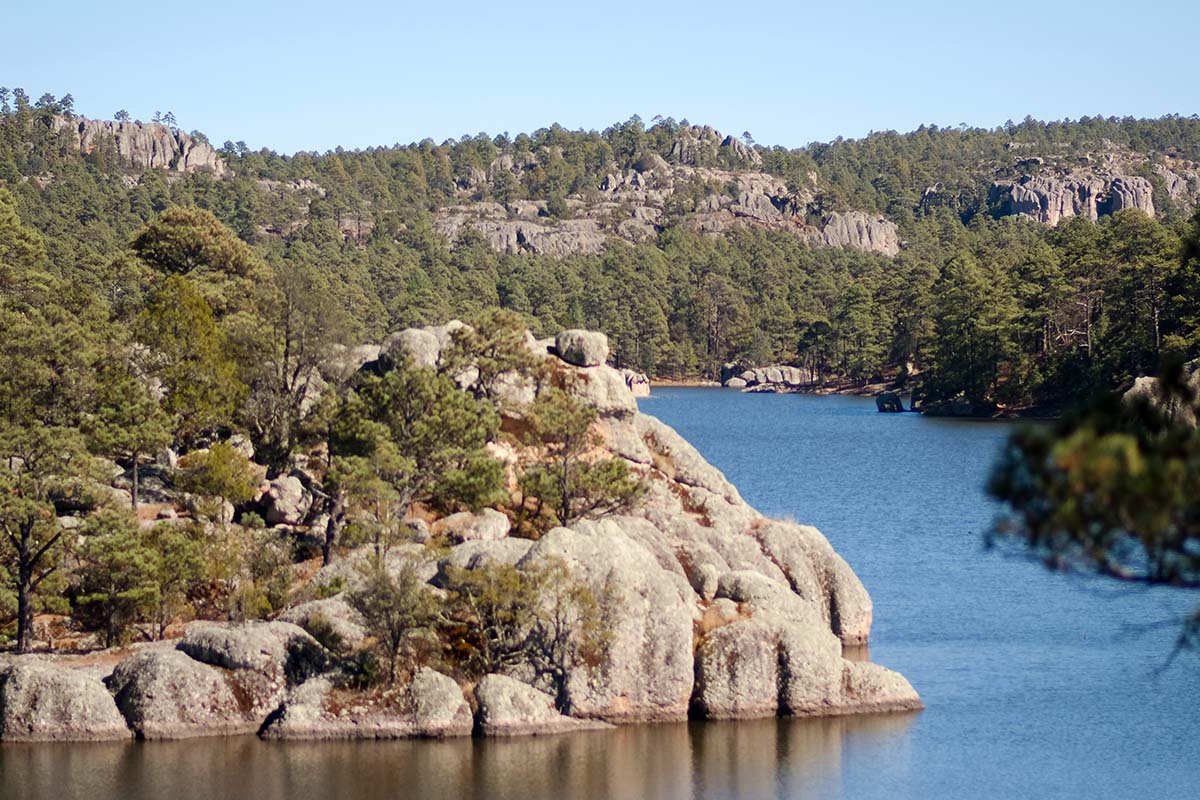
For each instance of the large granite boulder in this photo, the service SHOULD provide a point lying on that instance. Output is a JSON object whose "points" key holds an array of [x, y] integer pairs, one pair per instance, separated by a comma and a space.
{"points": [[647, 610], [420, 345], [439, 708], [272, 647], [287, 501], [604, 389], [164, 694], [263, 658], [581, 348], [487, 525], [508, 707], [41, 701]]}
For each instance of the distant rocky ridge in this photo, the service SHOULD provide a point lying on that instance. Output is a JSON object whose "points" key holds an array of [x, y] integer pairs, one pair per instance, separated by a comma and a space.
{"points": [[703, 181], [145, 145], [713, 611], [634, 205]]}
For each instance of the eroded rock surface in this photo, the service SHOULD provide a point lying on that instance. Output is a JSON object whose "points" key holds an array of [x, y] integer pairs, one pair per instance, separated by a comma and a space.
{"points": [[508, 707], [145, 145], [164, 694], [41, 701]]}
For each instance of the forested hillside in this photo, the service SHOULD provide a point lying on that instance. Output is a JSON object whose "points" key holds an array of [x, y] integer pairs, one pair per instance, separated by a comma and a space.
{"points": [[1027, 264]]}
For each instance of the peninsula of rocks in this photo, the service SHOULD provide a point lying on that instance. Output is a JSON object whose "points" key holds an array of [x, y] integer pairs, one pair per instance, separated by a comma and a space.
{"points": [[709, 610]]}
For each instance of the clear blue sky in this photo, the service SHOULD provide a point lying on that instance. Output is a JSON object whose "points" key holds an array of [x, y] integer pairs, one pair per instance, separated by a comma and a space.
{"points": [[304, 75]]}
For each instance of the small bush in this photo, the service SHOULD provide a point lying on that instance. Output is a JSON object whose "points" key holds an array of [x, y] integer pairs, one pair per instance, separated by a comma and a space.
{"points": [[360, 670], [321, 628]]}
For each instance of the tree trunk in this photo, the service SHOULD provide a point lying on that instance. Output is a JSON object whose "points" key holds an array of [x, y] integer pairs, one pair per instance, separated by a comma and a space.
{"points": [[24, 610], [134, 494], [333, 528]]}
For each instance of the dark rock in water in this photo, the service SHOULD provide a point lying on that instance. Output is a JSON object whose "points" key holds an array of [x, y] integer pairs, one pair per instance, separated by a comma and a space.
{"points": [[731, 370], [889, 403], [958, 407]]}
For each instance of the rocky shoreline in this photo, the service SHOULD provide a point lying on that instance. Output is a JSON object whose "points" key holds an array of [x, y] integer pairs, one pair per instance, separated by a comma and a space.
{"points": [[712, 612]]}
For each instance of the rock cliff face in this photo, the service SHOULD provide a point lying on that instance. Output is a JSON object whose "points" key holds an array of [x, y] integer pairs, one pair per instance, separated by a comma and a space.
{"points": [[634, 205], [861, 231], [145, 145], [1051, 198], [1181, 179]]}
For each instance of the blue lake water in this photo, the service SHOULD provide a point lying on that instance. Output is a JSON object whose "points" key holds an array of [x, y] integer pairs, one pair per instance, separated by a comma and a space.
{"points": [[1037, 685]]}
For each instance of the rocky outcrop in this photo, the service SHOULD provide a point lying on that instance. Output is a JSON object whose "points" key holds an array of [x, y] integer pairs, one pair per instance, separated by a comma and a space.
{"points": [[708, 609], [557, 240], [508, 707], [41, 701], [581, 348], [1129, 192], [695, 145], [861, 231], [144, 145], [1149, 390], [1182, 182], [889, 403], [1052, 197], [738, 151], [716, 180], [958, 406]]}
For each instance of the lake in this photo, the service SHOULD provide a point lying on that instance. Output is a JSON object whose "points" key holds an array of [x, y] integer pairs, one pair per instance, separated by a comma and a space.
{"points": [[1036, 684]]}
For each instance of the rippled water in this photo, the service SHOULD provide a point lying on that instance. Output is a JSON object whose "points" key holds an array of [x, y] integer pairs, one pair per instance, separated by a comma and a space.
{"points": [[1036, 685]]}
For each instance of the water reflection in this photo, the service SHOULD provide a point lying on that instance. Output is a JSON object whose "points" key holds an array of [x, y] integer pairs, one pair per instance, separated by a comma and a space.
{"points": [[745, 760]]}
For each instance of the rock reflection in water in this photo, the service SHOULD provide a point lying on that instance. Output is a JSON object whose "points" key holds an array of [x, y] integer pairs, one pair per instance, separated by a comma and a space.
{"points": [[746, 760]]}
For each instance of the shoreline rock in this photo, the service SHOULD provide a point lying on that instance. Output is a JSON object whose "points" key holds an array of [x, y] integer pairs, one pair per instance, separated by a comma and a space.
{"points": [[508, 707], [41, 701]]}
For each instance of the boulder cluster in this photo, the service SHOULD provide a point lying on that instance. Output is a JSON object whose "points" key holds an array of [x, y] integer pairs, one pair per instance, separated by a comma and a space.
{"points": [[712, 611], [774, 378]]}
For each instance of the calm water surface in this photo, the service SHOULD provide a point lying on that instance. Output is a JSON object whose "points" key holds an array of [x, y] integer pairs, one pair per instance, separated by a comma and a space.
{"points": [[1037, 685]]}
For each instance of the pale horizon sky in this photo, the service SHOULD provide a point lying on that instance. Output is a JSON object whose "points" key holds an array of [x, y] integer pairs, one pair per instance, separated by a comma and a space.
{"points": [[303, 75]]}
